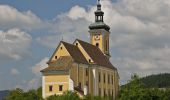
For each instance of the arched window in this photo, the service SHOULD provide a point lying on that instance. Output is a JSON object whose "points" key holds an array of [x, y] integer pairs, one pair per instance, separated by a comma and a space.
{"points": [[106, 45]]}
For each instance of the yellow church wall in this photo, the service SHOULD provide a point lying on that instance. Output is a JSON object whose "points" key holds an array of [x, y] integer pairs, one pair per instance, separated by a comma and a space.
{"points": [[55, 81], [100, 41], [61, 51], [78, 75], [109, 87], [81, 74], [74, 74]]}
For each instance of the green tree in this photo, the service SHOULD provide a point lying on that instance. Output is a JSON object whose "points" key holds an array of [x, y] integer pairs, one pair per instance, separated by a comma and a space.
{"points": [[19, 94], [66, 96], [134, 90]]}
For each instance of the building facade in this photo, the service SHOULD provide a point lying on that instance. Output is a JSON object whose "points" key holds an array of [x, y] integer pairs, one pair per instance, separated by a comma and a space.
{"points": [[83, 67]]}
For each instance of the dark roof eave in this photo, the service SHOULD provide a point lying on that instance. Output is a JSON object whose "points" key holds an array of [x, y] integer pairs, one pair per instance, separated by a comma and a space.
{"points": [[53, 71]]}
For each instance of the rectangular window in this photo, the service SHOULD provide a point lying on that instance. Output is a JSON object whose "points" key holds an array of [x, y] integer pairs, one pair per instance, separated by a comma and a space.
{"points": [[112, 79], [60, 87], [86, 83], [108, 79], [106, 46], [112, 93], [50, 88], [99, 91], [86, 71], [104, 78], [104, 93], [99, 77], [79, 85]]}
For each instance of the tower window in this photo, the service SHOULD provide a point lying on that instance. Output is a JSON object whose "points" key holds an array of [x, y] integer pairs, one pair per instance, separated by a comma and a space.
{"points": [[106, 46], [60, 87], [97, 44], [50, 88]]}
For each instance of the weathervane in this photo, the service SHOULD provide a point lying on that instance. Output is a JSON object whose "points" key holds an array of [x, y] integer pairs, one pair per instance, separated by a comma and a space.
{"points": [[98, 1]]}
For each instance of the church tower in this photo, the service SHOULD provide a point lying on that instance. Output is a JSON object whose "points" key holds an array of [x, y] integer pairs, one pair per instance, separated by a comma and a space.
{"points": [[99, 32]]}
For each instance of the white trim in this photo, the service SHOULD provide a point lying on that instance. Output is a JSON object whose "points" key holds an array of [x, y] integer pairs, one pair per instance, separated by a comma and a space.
{"points": [[83, 78], [52, 83], [43, 86], [94, 80], [71, 84], [106, 69], [77, 74]]}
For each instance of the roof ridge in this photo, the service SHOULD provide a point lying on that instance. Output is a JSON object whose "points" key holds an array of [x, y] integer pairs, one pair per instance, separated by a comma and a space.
{"points": [[78, 56], [87, 43], [67, 43], [91, 45]]}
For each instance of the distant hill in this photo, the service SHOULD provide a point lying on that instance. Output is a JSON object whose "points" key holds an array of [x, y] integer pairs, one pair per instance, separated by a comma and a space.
{"points": [[157, 81], [3, 94]]}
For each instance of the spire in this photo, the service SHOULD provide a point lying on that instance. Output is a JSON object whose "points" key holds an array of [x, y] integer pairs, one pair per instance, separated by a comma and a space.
{"points": [[99, 19], [98, 1], [99, 13], [98, 5]]}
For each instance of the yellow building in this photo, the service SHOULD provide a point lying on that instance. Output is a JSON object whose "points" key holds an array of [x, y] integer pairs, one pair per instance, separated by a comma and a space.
{"points": [[83, 67]]}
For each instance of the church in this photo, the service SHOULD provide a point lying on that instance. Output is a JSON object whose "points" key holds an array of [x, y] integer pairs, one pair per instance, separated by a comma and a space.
{"points": [[83, 67]]}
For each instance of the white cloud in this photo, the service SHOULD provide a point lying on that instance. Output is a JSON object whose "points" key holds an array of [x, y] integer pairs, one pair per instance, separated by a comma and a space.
{"points": [[39, 66], [35, 82], [14, 43], [14, 71], [140, 39], [11, 18]]}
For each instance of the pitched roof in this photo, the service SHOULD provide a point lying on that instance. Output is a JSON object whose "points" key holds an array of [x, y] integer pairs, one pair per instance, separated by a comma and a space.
{"points": [[75, 53], [62, 63], [96, 54]]}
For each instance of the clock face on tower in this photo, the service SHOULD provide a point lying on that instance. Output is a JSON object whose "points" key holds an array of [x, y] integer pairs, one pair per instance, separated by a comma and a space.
{"points": [[97, 37]]}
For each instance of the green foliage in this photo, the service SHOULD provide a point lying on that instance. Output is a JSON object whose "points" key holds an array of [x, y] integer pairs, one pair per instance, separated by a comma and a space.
{"points": [[19, 94], [66, 96], [90, 97], [136, 90], [157, 81]]}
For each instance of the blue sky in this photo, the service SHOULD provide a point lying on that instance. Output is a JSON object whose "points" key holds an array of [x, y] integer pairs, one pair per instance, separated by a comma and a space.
{"points": [[30, 30]]}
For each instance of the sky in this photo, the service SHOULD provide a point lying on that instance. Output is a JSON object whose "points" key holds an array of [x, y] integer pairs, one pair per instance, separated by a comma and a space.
{"points": [[30, 30]]}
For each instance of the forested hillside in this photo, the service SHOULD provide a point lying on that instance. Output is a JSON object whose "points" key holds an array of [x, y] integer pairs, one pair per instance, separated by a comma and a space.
{"points": [[3, 94], [157, 81]]}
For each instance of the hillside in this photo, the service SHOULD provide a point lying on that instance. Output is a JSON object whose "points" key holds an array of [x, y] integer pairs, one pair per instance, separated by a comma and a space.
{"points": [[3, 94], [159, 81]]}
